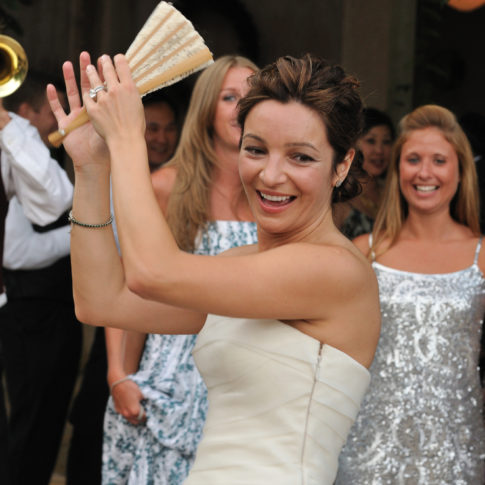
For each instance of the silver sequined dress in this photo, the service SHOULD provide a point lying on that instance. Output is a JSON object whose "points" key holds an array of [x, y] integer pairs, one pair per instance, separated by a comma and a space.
{"points": [[421, 420]]}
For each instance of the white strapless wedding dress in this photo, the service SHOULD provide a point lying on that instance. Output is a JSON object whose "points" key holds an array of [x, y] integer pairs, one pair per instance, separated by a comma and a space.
{"points": [[280, 404]]}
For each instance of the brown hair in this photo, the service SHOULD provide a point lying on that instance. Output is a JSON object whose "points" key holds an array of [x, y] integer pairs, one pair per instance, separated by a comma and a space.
{"points": [[195, 159], [32, 92], [325, 89], [464, 206]]}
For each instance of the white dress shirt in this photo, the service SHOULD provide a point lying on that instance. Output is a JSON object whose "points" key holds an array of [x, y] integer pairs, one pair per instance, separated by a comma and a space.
{"points": [[26, 249], [28, 171]]}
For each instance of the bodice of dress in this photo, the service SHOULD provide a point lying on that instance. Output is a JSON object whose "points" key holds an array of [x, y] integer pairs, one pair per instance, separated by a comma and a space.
{"points": [[280, 404], [421, 421], [175, 393]]}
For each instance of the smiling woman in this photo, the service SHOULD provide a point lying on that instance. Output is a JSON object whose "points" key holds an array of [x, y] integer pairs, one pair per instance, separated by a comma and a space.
{"points": [[293, 321], [287, 170], [357, 216], [429, 171], [226, 129], [421, 421]]}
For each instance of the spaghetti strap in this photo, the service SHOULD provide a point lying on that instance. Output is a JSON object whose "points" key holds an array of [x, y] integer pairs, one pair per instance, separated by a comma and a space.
{"points": [[477, 251], [372, 252]]}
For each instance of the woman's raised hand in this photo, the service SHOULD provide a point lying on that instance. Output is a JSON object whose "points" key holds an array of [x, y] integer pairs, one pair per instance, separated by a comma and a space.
{"points": [[116, 112], [83, 144]]}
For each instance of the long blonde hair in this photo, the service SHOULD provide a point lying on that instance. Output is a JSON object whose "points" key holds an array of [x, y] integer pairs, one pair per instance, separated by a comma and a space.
{"points": [[464, 207], [188, 206]]}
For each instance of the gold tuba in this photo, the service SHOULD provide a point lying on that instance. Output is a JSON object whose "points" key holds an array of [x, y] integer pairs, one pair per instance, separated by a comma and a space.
{"points": [[13, 65]]}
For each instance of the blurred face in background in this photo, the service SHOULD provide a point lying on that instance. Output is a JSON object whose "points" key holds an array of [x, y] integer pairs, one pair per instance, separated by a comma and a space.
{"points": [[376, 147], [161, 134], [227, 131]]}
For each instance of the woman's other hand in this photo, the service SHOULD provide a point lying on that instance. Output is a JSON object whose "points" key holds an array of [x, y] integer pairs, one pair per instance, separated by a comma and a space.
{"points": [[117, 112], [127, 398], [83, 144]]}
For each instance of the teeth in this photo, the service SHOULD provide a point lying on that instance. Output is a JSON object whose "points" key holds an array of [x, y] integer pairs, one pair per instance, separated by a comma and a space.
{"points": [[275, 198], [426, 188]]}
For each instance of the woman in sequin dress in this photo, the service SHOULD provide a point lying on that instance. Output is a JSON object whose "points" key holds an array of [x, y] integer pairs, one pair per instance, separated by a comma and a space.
{"points": [[294, 319], [421, 421], [166, 388]]}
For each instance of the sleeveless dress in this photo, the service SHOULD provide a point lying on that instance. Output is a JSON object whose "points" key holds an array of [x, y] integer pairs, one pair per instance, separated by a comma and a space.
{"points": [[421, 421], [161, 451], [280, 404]]}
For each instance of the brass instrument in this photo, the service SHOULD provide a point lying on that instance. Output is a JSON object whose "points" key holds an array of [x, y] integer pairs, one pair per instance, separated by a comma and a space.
{"points": [[13, 65]]}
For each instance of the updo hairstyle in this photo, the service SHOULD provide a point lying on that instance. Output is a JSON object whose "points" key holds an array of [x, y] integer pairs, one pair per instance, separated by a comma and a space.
{"points": [[327, 90]]}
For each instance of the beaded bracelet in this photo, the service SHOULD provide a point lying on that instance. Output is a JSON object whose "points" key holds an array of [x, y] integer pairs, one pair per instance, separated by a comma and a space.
{"points": [[72, 220]]}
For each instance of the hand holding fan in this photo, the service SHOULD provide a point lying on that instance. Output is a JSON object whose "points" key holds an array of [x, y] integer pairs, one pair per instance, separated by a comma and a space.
{"points": [[166, 50]]}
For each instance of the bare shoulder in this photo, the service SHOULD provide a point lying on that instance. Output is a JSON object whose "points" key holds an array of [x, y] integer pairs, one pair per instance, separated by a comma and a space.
{"points": [[340, 266], [354, 320], [471, 243], [335, 268], [163, 181], [351, 314], [352, 262]]}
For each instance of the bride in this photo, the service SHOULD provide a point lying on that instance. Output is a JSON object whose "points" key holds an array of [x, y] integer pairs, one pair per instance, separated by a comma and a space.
{"points": [[293, 321]]}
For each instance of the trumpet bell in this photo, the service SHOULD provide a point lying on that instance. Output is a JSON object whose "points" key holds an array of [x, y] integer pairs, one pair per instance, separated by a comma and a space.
{"points": [[13, 65]]}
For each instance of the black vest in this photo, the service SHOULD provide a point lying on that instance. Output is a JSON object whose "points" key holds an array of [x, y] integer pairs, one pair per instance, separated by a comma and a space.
{"points": [[51, 283]]}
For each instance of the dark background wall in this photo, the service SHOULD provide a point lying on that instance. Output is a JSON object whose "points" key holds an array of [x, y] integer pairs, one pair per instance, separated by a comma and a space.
{"points": [[406, 52], [450, 59]]}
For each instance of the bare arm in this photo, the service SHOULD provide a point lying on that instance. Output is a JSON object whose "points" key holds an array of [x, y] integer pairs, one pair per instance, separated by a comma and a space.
{"points": [[134, 345], [124, 349], [126, 394], [99, 280], [163, 181], [318, 276]]}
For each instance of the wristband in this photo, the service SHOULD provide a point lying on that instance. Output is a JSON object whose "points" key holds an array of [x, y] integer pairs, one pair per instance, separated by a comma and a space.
{"points": [[119, 381]]}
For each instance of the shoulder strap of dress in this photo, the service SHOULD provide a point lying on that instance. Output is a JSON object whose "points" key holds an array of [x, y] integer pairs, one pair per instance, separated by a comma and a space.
{"points": [[477, 251], [372, 253]]}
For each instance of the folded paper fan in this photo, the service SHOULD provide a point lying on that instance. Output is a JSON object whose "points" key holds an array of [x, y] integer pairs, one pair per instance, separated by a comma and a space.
{"points": [[166, 50]]}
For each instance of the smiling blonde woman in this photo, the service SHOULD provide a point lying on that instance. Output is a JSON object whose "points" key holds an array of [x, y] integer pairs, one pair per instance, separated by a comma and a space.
{"points": [[421, 421]]}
